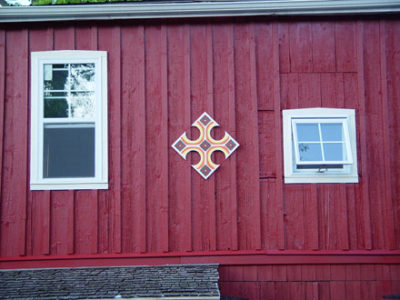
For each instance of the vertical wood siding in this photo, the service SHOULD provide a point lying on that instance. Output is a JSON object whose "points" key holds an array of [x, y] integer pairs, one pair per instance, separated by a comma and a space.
{"points": [[324, 282], [162, 76]]}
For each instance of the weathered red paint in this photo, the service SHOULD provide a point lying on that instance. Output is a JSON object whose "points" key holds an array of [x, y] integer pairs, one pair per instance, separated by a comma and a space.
{"points": [[316, 241]]}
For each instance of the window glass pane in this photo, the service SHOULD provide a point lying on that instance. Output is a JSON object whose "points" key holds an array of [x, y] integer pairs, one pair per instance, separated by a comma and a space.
{"points": [[332, 132], [307, 132], [82, 104], [68, 150], [334, 152], [82, 77], [55, 108], [55, 79], [310, 152]]}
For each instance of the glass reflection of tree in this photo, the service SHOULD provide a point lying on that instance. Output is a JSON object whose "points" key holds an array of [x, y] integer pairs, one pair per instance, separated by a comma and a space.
{"points": [[80, 99], [303, 148]]}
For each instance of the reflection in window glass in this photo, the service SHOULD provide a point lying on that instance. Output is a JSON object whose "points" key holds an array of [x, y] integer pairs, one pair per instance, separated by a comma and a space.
{"points": [[68, 150], [82, 104], [82, 77], [55, 79], [310, 152], [55, 108], [307, 132], [320, 142], [69, 90], [334, 152], [332, 132]]}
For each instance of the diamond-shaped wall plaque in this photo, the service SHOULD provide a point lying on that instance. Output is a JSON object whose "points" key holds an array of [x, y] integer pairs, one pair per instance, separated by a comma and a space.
{"points": [[205, 145]]}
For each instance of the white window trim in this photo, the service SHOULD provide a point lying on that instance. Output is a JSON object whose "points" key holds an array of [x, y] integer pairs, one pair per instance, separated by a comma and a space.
{"points": [[100, 180], [350, 172]]}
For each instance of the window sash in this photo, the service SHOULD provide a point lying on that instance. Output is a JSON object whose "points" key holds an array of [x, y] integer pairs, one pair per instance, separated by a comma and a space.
{"points": [[321, 143], [68, 120]]}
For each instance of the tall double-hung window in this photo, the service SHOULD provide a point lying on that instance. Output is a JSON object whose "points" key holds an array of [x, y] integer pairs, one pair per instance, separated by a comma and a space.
{"points": [[69, 120]]}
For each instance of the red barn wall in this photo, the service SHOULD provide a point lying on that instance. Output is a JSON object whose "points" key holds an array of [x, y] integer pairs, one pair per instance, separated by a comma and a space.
{"points": [[162, 76]]}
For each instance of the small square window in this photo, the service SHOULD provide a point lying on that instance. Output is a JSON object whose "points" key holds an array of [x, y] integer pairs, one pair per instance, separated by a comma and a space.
{"points": [[69, 120], [319, 145]]}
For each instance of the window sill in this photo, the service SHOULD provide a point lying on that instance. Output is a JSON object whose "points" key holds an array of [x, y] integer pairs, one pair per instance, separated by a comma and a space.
{"points": [[321, 179], [69, 186]]}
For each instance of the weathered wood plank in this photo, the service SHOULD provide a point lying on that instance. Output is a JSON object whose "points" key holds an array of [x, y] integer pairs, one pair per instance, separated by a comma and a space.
{"points": [[375, 133], [300, 45], [203, 191], [297, 290], [368, 290], [290, 90], [294, 272], [265, 61], [311, 232], [368, 272], [311, 291], [86, 222], [2, 107], [180, 212], [247, 135], [271, 215], [393, 68], [309, 273], [15, 145], [268, 137], [323, 272], [39, 201], [309, 92], [353, 290], [294, 216], [338, 272], [251, 290], [224, 103], [284, 49], [323, 47], [62, 221], [364, 204], [346, 46], [324, 290], [64, 38], [338, 290], [157, 137], [386, 140], [333, 216], [279, 273], [267, 291], [279, 139], [282, 291], [264, 273], [110, 200], [40, 234], [332, 90], [133, 148], [86, 37]]}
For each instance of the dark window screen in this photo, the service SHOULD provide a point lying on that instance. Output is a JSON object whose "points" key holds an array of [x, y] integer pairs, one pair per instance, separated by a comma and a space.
{"points": [[68, 151]]}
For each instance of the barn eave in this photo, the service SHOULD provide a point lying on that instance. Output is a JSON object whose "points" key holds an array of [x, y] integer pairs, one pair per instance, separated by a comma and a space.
{"points": [[196, 9]]}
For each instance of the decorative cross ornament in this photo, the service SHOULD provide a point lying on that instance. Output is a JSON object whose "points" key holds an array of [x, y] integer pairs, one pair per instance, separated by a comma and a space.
{"points": [[205, 145]]}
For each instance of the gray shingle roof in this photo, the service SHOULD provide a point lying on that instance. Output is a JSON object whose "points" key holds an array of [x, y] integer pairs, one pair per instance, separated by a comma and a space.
{"points": [[108, 282]]}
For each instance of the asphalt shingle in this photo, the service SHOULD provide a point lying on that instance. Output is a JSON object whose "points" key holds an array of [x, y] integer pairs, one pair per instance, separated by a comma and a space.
{"points": [[108, 282]]}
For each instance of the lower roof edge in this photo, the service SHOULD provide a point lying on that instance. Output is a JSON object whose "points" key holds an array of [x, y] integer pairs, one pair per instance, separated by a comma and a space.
{"points": [[230, 8]]}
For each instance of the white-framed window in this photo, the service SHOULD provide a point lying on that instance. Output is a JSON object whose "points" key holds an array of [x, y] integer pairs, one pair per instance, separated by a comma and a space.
{"points": [[68, 120], [319, 145]]}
